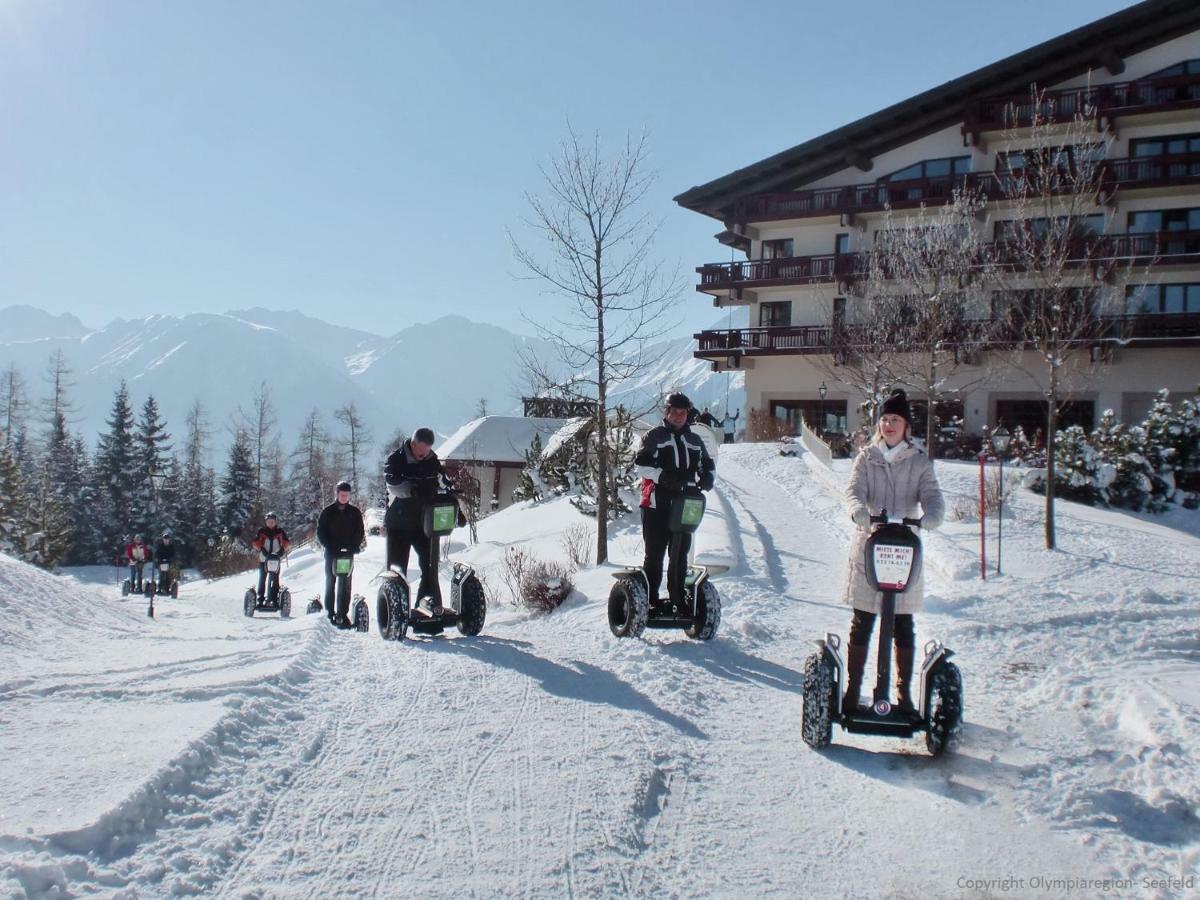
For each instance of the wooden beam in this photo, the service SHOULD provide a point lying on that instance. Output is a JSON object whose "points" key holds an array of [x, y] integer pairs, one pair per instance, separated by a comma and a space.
{"points": [[1111, 60], [860, 160]]}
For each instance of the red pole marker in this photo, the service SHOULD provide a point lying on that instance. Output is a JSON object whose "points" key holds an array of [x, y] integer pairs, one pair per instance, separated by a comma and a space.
{"points": [[982, 518]]}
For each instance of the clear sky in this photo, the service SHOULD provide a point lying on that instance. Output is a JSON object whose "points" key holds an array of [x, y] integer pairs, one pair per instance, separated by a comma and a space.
{"points": [[360, 161]]}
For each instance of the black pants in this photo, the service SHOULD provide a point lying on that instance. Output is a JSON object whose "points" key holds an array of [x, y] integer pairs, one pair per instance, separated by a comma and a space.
{"points": [[656, 533], [400, 543], [863, 624], [343, 608], [728, 438]]}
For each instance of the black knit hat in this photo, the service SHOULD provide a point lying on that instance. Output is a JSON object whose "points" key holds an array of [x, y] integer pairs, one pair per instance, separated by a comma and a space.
{"points": [[678, 401], [423, 436], [897, 405]]}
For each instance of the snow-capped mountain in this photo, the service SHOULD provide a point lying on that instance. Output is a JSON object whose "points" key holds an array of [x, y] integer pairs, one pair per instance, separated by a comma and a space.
{"points": [[432, 373]]}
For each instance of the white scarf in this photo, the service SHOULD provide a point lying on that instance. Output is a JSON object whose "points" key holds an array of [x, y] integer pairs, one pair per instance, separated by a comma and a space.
{"points": [[891, 453]]}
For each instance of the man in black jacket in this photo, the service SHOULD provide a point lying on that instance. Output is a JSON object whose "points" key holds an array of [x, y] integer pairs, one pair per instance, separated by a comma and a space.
{"points": [[340, 530], [413, 474], [670, 459]]}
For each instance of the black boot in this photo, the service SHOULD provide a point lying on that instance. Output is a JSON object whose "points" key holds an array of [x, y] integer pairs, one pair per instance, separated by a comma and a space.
{"points": [[904, 670], [856, 660]]}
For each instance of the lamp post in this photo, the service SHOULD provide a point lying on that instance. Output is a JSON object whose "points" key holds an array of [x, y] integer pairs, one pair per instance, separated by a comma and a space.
{"points": [[156, 480], [1000, 441], [822, 391]]}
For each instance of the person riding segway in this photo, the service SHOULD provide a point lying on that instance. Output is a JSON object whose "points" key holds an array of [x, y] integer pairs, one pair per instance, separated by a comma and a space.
{"points": [[136, 556], [272, 544], [166, 576], [341, 531], [675, 467], [423, 508], [890, 478]]}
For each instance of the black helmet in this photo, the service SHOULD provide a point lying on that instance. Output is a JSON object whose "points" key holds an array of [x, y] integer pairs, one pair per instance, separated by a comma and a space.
{"points": [[272, 515], [166, 532], [423, 436], [677, 400], [344, 486]]}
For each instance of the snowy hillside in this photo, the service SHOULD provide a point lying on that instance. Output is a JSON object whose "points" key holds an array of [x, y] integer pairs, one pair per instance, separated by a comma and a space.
{"points": [[203, 752], [222, 359]]}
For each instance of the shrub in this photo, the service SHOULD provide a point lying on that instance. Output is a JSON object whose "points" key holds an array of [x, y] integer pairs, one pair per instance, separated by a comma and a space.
{"points": [[545, 586], [577, 543]]}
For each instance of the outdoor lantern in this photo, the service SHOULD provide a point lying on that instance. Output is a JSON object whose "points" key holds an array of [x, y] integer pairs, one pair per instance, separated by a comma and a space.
{"points": [[821, 392], [1000, 440], [157, 480]]}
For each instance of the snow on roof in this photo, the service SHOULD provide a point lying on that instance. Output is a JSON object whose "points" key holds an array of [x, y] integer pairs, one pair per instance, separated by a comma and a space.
{"points": [[569, 429], [497, 438]]}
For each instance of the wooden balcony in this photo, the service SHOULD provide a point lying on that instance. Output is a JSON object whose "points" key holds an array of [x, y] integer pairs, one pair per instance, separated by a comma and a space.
{"points": [[1124, 173], [1103, 101], [1164, 330], [789, 270]]}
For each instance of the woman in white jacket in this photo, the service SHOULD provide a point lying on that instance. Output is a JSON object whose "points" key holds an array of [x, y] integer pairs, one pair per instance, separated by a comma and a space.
{"points": [[889, 473]]}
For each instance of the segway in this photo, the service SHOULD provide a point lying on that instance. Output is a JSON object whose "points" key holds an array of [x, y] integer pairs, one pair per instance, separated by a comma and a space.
{"points": [[893, 557], [164, 581], [128, 583], [277, 598], [394, 611], [694, 606], [343, 566]]}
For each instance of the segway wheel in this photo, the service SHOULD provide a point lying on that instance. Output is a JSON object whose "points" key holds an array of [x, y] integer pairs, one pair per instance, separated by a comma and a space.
{"points": [[708, 613], [285, 604], [248, 603], [816, 724], [945, 709], [175, 590], [474, 607], [126, 587], [391, 611], [362, 616], [628, 608]]}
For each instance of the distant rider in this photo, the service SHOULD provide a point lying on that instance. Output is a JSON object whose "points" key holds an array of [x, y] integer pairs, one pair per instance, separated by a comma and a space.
{"points": [[271, 541], [339, 528], [136, 554], [164, 553], [414, 474], [889, 473], [670, 459]]}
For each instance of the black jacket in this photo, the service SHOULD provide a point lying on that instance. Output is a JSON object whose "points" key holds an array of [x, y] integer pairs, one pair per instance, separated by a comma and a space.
{"points": [[164, 552], [411, 482], [669, 461], [341, 526]]}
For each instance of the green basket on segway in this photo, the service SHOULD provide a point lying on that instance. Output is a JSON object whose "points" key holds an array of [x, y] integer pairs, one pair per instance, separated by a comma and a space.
{"points": [[343, 565], [441, 514]]}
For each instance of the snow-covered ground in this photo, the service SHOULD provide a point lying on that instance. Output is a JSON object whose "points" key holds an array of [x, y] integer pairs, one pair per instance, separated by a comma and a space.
{"points": [[203, 752]]}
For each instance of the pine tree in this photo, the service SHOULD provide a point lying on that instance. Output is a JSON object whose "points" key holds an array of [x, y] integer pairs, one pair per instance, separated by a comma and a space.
{"points": [[195, 515], [12, 503], [61, 487], [238, 487], [116, 469], [153, 451], [310, 481]]}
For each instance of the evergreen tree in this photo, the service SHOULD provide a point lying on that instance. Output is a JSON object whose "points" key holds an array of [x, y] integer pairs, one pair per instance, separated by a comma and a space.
{"points": [[12, 503], [238, 487], [61, 487], [116, 471], [195, 514], [311, 480], [153, 458]]}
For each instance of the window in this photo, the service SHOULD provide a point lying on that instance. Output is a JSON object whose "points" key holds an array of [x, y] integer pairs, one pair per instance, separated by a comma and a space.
{"points": [[780, 249], [1158, 299], [1163, 146], [1087, 227], [1164, 220], [841, 243], [1031, 416], [839, 311], [1189, 67], [932, 168], [775, 315], [828, 416]]}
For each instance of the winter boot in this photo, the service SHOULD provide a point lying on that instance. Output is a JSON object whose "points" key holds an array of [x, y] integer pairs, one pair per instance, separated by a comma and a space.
{"points": [[856, 660], [904, 670]]}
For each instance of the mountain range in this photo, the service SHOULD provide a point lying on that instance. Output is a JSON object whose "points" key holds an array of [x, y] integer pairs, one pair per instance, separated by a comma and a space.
{"points": [[433, 373]]}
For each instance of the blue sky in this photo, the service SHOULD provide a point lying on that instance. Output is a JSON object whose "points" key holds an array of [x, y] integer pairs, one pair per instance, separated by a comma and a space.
{"points": [[360, 161]]}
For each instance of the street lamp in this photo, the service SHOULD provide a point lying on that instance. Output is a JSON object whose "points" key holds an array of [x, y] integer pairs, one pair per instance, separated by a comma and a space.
{"points": [[1000, 441], [156, 481], [822, 390]]}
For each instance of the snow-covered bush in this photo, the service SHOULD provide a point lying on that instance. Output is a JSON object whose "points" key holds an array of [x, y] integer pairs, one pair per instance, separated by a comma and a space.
{"points": [[546, 586], [577, 543]]}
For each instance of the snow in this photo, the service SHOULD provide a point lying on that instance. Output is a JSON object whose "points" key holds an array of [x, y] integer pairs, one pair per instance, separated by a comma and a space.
{"points": [[203, 752], [497, 438]]}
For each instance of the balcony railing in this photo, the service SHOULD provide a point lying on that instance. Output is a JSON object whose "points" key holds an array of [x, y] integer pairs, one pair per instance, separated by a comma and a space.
{"points": [[1165, 328], [1119, 98], [1134, 172], [783, 271]]}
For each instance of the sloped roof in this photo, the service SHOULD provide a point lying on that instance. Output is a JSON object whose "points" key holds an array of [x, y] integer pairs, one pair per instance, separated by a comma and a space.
{"points": [[502, 439], [1103, 43]]}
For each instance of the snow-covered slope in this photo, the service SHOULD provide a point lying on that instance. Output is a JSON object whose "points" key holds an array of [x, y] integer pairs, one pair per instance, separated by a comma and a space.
{"points": [[206, 753]]}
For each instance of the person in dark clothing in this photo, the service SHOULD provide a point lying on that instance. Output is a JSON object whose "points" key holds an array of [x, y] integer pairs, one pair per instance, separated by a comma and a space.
{"points": [[271, 541], [670, 459], [164, 549], [414, 474], [340, 530], [707, 418]]}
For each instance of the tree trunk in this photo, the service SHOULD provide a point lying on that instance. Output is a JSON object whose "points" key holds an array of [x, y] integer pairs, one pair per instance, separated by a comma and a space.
{"points": [[1051, 425], [601, 425]]}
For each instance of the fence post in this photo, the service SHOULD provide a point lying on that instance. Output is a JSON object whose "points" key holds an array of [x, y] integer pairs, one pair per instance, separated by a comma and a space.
{"points": [[982, 517]]}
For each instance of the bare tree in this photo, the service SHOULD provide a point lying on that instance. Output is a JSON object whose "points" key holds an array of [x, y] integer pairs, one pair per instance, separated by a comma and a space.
{"points": [[259, 425], [355, 439], [598, 257], [13, 401], [941, 273], [58, 378], [481, 407], [1065, 279]]}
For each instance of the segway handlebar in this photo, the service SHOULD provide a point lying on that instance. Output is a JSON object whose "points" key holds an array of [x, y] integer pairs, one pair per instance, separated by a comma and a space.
{"points": [[884, 519]]}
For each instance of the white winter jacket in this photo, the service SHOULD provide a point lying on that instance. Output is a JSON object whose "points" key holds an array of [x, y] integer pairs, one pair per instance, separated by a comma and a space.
{"points": [[900, 487]]}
